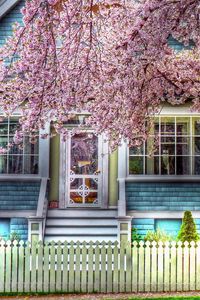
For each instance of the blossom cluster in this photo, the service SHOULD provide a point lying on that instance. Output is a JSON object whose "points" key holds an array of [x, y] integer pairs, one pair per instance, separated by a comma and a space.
{"points": [[110, 58]]}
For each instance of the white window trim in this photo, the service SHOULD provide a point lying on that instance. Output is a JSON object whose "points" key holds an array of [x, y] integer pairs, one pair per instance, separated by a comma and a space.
{"points": [[63, 176], [44, 148], [167, 111]]}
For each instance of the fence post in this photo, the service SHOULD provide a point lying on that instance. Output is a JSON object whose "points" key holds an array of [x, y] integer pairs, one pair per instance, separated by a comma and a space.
{"points": [[166, 267], [116, 268]]}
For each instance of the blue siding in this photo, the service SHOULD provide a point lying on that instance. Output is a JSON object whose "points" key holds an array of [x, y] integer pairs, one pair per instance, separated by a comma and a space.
{"points": [[20, 226], [4, 228], [6, 23], [19, 195], [143, 226], [176, 45], [170, 226], [163, 196]]}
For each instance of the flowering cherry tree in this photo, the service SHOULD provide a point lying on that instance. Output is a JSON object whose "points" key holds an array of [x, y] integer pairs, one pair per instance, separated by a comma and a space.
{"points": [[110, 58]]}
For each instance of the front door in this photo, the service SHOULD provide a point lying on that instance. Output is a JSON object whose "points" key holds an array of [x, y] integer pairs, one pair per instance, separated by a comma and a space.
{"points": [[84, 170]]}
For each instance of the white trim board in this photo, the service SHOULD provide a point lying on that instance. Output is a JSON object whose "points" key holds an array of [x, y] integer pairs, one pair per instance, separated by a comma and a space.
{"points": [[160, 214], [17, 214], [6, 6]]}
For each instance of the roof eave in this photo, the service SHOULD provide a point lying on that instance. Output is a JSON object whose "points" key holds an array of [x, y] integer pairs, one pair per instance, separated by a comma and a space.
{"points": [[6, 6]]}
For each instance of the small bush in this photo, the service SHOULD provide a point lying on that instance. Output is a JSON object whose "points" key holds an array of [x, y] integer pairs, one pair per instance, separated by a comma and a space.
{"points": [[158, 236], [188, 231], [134, 235], [14, 236]]}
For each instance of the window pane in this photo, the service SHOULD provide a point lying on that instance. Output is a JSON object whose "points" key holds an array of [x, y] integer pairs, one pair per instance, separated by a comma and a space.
{"points": [[152, 165], [168, 145], [4, 128], [167, 126], [136, 150], [182, 126], [15, 164], [197, 165], [182, 146], [75, 197], [136, 165], [15, 149], [84, 153], [197, 126], [30, 148], [196, 145], [183, 165], [167, 165], [31, 164], [92, 197], [3, 141], [3, 164], [75, 183], [13, 126]]}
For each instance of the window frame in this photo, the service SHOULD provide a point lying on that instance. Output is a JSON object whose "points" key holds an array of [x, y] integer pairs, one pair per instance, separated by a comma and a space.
{"points": [[43, 155], [190, 136]]}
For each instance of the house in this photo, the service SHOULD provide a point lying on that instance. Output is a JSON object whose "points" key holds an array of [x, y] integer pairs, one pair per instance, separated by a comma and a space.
{"points": [[76, 190]]}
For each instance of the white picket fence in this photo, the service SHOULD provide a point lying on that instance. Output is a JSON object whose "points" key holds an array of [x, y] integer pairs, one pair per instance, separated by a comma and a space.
{"points": [[99, 267]]}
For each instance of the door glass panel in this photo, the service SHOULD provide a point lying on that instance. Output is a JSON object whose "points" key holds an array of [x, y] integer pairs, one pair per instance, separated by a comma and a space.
{"points": [[84, 153], [84, 172]]}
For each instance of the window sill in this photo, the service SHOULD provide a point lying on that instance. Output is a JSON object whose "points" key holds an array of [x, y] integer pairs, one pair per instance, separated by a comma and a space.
{"points": [[153, 178], [17, 177]]}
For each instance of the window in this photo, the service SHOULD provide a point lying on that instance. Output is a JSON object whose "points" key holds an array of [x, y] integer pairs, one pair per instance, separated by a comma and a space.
{"points": [[173, 148], [17, 161]]}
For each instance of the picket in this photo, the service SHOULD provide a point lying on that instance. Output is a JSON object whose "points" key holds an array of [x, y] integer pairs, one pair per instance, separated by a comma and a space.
{"points": [[198, 266], [65, 268], [192, 266], [141, 267], [8, 267], [71, 267], [109, 268], [135, 267], [2, 266], [90, 268], [33, 267], [59, 267], [40, 268], [77, 268], [154, 267], [84, 269], [14, 265], [186, 267], [116, 268], [173, 267], [99, 267], [27, 268], [21, 268], [160, 267], [179, 267], [147, 270], [167, 267], [46, 267]]}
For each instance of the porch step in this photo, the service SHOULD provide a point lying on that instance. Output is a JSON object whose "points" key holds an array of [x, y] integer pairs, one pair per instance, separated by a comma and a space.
{"points": [[81, 225]]}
